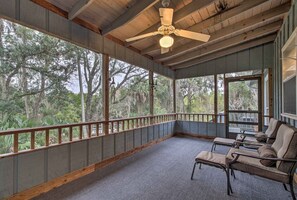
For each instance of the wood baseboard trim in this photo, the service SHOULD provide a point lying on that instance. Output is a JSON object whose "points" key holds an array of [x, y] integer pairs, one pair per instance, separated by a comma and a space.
{"points": [[195, 136], [57, 182]]}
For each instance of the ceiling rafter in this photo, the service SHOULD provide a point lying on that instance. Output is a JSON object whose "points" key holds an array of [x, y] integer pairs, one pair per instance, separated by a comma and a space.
{"points": [[239, 27], [179, 15], [138, 8], [230, 50], [250, 35], [212, 21], [78, 7]]}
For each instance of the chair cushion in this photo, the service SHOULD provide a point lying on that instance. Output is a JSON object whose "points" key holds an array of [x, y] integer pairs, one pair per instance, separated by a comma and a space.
{"points": [[285, 146], [261, 137], [224, 141], [253, 166], [211, 157], [267, 152], [272, 129]]}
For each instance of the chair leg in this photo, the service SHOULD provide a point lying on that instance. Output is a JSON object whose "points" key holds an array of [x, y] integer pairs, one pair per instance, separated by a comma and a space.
{"points": [[229, 188], [233, 173], [200, 165], [228, 181], [212, 147], [285, 186], [292, 189], [193, 170]]}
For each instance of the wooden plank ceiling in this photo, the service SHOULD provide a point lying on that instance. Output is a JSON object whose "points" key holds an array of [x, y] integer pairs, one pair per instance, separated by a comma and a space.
{"points": [[237, 25]]}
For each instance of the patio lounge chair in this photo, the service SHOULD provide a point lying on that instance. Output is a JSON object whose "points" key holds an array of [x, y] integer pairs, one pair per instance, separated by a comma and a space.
{"points": [[285, 147], [249, 140]]}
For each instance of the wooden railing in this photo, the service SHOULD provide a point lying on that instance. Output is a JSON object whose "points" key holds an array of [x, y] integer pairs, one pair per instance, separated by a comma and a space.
{"points": [[29, 139], [211, 118], [40, 137]]}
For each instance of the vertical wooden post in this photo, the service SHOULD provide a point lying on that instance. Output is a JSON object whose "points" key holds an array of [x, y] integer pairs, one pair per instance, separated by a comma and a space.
{"points": [[215, 98], [270, 93], [105, 87], [151, 83], [33, 140], [15, 143], [174, 95]]}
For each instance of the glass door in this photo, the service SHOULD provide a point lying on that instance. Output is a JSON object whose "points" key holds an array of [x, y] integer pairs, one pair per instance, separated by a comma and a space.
{"points": [[243, 105]]}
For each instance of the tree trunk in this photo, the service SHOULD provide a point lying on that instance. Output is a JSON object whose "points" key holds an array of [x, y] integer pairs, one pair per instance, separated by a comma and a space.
{"points": [[81, 92], [25, 90]]}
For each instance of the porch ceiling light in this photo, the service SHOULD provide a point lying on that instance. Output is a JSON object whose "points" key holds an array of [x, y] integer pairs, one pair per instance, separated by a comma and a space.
{"points": [[166, 41]]}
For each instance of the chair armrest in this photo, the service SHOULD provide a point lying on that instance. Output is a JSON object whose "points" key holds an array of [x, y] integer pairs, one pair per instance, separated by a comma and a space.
{"points": [[242, 143], [237, 154], [250, 130]]}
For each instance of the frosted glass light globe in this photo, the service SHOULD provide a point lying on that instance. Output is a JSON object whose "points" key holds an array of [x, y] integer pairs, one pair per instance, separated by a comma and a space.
{"points": [[166, 41]]}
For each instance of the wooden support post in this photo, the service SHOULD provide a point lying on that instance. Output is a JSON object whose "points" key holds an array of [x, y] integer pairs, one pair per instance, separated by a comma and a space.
{"points": [[174, 96], [105, 86], [270, 93], [215, 98], [151, 83]]}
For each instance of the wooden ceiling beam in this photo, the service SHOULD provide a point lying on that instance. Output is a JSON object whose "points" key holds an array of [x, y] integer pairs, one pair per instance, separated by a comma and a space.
{"points": [[250, 35], [138, 8], [212, 21], [78, 7], [83, 23], [177, 16], [230, 50], [240, 27], [190, 8]]}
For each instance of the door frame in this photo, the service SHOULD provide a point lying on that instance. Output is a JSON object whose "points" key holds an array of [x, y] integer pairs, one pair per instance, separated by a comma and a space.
{"points": [[228, 80]]}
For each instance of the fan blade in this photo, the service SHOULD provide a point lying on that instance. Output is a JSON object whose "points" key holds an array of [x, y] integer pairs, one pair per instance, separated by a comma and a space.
{"points": [[166, 15], [164, 50], [142, 36], [192, 35]]}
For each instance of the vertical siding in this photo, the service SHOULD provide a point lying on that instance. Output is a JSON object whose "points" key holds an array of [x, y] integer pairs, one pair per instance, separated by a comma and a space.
{"points": [[287, 28], [258, 57], [26, 170]]}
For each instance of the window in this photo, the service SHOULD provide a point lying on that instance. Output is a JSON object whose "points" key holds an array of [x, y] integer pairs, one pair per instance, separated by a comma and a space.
{"points": [[163, 95], [196, 95], [129, 90], [47, 80], [289, 76]]}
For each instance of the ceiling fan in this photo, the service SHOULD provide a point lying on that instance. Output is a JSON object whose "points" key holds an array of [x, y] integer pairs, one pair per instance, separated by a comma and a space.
{"points": [[166, 29]]}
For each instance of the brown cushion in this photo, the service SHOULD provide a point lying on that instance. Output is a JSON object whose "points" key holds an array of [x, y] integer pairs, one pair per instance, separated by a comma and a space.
{"points": [[267, 152], [261, 137]]}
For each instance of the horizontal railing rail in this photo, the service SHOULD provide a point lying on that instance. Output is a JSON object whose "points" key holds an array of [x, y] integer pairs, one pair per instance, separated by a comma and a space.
{"points": [[28, 139], [211, 118]]}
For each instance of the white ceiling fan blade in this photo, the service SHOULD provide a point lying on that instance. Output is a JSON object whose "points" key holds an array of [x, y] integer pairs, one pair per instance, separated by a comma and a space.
{"points": [[166, 15], [192, 35], [142, 36], [164, 50]]}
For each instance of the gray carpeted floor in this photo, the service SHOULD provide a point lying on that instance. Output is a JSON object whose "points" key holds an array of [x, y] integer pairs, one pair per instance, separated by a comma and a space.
{"points": [[163, 172]]}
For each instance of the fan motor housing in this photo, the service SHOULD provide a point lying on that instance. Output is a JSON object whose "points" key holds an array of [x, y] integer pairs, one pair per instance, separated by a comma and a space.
{"points": [[165, 3]]}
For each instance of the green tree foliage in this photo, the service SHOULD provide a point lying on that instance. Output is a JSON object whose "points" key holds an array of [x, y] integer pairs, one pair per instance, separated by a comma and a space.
{"points": [[195, 95]]}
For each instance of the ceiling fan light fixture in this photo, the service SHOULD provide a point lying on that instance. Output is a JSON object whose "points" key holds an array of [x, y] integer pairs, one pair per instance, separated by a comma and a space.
{"points": [[166, 41]]}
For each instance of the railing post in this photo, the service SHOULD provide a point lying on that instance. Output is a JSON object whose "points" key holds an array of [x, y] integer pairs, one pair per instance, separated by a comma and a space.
{"points": [[15, 143], [33, 140], [47, 137]]}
